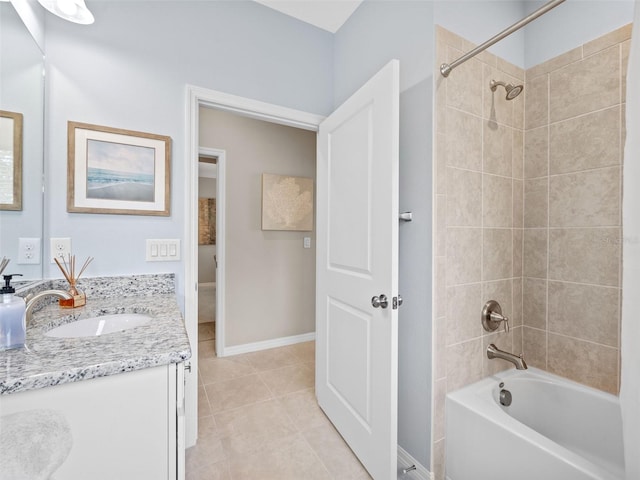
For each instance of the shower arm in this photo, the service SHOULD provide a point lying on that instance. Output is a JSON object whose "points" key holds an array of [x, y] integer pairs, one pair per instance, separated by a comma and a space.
{"points": [[445, 68]]}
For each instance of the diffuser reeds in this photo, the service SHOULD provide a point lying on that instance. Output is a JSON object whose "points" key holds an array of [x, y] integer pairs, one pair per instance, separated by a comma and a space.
{"points": [[69, 271]]}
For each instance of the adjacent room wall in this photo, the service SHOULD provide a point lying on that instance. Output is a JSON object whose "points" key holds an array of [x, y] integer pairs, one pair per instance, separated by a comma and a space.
{"points": [[270, 277], [130, 69], [206, 261]]}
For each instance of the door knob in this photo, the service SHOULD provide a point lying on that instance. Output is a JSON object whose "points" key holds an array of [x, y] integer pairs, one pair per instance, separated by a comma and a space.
{"points": [[380, 302]]}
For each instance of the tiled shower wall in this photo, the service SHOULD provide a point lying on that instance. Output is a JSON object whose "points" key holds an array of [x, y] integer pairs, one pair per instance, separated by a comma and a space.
{"points": [[574, 138], [528, 213], [479, 219]]}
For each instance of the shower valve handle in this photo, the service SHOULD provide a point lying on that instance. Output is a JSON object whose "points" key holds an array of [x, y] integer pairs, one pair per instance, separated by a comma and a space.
{"points": [[498, 317], [492, 317]]}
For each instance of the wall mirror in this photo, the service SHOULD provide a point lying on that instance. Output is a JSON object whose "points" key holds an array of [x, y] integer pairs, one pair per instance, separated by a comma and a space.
{"points": [[21, 144]]}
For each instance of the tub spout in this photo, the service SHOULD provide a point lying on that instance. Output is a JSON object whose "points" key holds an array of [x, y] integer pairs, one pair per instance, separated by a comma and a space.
{"points": [[517, 360]]}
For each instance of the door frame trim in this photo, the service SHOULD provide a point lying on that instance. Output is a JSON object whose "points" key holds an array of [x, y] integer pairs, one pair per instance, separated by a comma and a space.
{"points": [[195, 98], [220, 245]]}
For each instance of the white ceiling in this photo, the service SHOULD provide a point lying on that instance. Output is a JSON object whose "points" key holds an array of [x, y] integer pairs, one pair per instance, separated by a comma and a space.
{"points": [[326, 14]]}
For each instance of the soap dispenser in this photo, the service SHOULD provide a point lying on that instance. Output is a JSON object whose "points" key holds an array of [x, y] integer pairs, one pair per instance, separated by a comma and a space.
{"points": [[12, 321]]}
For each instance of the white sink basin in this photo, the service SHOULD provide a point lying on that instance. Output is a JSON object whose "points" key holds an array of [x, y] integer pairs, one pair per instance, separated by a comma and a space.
{"points": [[95, 326]]}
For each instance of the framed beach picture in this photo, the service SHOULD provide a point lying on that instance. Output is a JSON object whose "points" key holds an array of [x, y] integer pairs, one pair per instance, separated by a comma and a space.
{"points": [[117, 171]]}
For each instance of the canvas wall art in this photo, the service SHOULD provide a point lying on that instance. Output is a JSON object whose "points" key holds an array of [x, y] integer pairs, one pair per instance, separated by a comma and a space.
{"points": [[287, 202]]}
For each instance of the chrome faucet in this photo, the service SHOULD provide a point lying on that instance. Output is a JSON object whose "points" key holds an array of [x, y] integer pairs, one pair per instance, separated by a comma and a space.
{"points": [[32, 300], [517, 360]]}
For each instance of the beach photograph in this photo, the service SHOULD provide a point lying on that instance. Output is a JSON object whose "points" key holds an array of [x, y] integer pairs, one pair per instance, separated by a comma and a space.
{"points": [[117, 171]]}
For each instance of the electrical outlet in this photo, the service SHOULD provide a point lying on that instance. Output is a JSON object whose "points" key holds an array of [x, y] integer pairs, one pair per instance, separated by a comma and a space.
{"points": [[60, 249], [28, 251]]}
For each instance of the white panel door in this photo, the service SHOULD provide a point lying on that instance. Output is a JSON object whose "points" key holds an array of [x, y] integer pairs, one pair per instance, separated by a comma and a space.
{"points": [[357, 260]]}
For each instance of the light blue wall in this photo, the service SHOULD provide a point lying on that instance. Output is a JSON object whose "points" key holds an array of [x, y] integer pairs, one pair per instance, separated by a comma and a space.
{"points": [[571, 24], [129, 70], [478, 21]]}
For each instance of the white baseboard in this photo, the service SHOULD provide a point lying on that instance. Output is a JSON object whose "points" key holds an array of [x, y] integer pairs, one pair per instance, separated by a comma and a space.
{"points": [[406, 460], [266, 344]]}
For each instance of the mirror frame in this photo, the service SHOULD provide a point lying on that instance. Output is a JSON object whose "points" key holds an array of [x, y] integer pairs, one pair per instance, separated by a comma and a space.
{"points": [[16, 156]]}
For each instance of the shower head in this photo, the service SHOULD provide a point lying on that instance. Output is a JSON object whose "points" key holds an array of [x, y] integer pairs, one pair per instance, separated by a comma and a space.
{"points": [[512, 90]]}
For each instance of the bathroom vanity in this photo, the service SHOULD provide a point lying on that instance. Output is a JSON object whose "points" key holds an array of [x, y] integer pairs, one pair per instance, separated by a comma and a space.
{"points": [[114, 402]]}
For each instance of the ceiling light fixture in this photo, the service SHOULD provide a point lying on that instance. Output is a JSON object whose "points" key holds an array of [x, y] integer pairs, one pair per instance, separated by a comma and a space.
{"points": [[73, 10]]}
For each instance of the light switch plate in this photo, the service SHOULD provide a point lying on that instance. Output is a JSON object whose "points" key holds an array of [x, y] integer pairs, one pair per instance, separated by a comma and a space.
{"points": [[28, 251], [163, 250], [307, 242], [60, 249]]}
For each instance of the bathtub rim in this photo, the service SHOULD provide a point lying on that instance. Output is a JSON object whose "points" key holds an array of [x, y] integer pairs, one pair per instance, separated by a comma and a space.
{"points": [[478, 398]]}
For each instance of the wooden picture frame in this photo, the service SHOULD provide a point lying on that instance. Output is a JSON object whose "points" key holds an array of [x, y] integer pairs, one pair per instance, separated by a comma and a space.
{"points": [[116, 171], [11, 124]]}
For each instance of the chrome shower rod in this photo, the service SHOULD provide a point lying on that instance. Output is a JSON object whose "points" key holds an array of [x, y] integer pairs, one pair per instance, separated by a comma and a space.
{"points": [[445, 68]]}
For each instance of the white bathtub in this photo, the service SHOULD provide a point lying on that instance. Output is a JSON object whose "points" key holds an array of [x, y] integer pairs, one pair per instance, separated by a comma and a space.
{"points": [[554, 429]]}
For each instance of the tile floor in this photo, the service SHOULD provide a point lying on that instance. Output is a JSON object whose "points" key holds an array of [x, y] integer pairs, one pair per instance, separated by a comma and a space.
{"points": [[258, 419]]}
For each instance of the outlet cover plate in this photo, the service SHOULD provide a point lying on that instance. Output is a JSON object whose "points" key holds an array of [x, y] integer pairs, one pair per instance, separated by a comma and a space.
{"points": [[60, 249], [28, 251]]}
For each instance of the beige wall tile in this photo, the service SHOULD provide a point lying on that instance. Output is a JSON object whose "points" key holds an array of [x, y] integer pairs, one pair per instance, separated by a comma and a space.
{"points": [[438, 460], [502, 340], [441, 225], [555, 63], [440, 335], [463, 312], [497, 145], [497, 201], [463, 89], [585, 255], [449, 38], [624, 63], [585, 199], [585, 142], [464, 255], [608, 40], [518, 203], [534, 304], [464, 364], [585, 86], [497, 256], [536, 152], [441, 163], [502, 292], [534, 347], [464, 140], [440, 286], [516, 313], [511, 69], [518, 237], [536, 110], [518, 111], [439, 396], [441, 105], [588, 363], [517, 169], [534, 253], [464, 198], [517, 340], [587, 312], [536, 202]]}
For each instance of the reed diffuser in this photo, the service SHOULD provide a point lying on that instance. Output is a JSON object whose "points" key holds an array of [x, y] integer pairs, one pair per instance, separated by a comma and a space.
{"points": [[3, 264], [69, 271]]}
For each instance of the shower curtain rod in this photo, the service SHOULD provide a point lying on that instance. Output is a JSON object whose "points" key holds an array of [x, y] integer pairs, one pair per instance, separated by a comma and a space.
{"points": [[445, 68]]}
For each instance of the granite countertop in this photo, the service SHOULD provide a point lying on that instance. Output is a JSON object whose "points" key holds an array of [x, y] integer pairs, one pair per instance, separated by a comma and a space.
{"points": [[47, 361]]}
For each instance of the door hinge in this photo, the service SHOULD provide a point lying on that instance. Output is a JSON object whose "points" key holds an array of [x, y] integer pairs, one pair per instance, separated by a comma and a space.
{"points": [[396, 302]]}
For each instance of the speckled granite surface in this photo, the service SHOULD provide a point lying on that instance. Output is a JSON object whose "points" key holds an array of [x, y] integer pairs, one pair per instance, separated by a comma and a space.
{"points": [[47, 361]]}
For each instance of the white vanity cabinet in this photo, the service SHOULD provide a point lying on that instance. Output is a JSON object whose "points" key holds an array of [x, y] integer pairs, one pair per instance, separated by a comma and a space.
{"points": [[123, 426]]}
